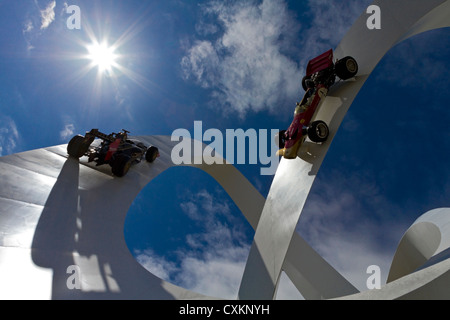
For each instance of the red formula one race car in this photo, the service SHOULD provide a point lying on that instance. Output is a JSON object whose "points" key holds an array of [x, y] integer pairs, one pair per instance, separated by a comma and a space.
{"points": [[321, 74], [115, 149]]}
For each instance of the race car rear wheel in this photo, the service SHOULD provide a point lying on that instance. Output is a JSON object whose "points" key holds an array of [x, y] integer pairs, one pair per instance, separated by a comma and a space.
{"points": [[307, 83], [77, 147], [121, 164], [346, 68], [318, 131], [151, 154]]}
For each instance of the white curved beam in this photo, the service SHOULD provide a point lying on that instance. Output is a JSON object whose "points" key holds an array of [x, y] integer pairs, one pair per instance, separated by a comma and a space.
{"points": [[427, 237]]}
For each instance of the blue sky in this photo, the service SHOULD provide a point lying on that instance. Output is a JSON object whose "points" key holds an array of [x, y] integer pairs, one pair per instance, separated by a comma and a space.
{"points": [[233, 64]]}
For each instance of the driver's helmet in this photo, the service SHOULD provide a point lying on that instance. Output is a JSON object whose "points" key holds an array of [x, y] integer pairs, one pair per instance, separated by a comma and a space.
{"points": [[122, 135]]}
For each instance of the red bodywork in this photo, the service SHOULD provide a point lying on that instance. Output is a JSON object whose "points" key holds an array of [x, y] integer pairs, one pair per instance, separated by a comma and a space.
{"points": [[296, 132], [325, 60], [305, 110], [113, 148]]}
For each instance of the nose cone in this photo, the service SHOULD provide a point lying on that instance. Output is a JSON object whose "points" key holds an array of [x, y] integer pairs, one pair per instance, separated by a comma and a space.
{"points": [[290, 152]]}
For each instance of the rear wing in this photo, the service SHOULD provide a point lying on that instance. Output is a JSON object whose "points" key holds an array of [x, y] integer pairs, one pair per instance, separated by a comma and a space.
{"points": [[320, 63], [95, 133]]}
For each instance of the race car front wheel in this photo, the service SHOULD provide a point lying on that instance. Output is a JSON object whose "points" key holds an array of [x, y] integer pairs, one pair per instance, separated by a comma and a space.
{"points": [[318, 131], [346, 68], [77, 147], [121, 164], [151, 154], [307, 83]]}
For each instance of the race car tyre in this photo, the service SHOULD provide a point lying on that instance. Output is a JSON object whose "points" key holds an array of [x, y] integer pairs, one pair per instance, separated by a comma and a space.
{"points": [[307, 83], [318, 131], [304, 83], [121, 164], [346, 68], [77, 147], [151, 154], [280, 139]]}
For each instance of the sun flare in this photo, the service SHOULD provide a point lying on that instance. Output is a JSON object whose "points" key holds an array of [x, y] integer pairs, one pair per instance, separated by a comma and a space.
{"points": [[110, 58], [102, 56]]}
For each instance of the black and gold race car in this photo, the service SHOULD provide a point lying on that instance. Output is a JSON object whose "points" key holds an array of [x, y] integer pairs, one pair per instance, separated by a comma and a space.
{"points": [[115, 149]]}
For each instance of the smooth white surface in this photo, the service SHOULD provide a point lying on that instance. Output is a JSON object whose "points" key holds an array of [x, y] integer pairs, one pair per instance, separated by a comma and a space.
{"points": [[427, 237]]}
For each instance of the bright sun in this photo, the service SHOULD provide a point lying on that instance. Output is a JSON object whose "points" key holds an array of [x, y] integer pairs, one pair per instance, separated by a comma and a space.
{"points": [[102, 56], [108, 59]]}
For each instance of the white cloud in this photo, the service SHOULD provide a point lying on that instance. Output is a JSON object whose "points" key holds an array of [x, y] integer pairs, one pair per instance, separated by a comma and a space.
{"points": [[214, 276], [48, 15], [160, 267], [204, 202], [28, 26], [28, 33], [202, 62], [210, 274], [9, 135], [37, 21], [330, 20], [67, 132], [247, 67]]}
